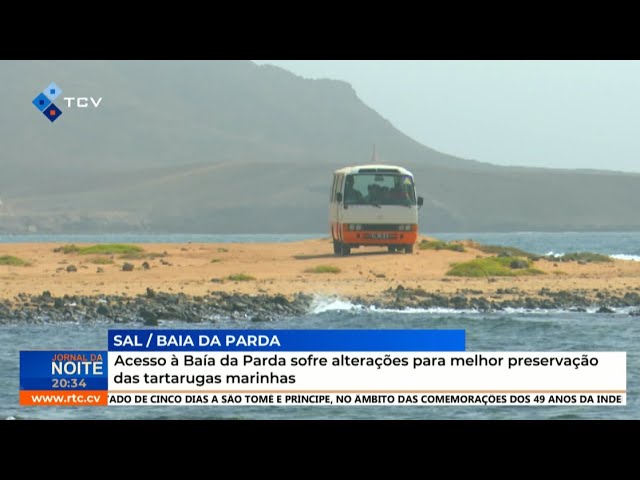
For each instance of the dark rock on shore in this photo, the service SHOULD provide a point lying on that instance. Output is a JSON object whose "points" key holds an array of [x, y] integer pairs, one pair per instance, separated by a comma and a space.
{"points": [[151, 307], [546, 299], [604, 309]]}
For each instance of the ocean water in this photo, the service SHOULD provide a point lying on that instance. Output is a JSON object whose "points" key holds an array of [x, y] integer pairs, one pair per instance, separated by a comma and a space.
{"points": [[623, 245], [515, 330]]}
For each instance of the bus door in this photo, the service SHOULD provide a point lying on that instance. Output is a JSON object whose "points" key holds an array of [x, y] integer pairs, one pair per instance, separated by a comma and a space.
{"points": [[336, 207]]}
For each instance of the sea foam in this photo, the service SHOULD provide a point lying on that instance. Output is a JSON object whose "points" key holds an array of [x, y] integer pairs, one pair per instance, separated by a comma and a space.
{"points": [[624, 256]]}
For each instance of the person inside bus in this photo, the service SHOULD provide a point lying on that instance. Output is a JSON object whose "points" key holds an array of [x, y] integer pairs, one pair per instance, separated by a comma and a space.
{"points": [[398, 194], [375, 193], [384, 194], [351, 194]]}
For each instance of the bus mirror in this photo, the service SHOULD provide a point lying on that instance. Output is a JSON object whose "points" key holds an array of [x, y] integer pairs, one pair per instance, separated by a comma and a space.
{"points": [[339, 197], [420, 201]]}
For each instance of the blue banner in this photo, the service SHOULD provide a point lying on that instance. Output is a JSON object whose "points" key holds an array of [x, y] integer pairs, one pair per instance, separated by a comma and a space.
{"points": [[288, 340], [64, 370]]}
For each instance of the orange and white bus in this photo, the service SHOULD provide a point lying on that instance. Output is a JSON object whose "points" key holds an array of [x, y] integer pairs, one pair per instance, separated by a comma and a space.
{"points": [[373, 205]]}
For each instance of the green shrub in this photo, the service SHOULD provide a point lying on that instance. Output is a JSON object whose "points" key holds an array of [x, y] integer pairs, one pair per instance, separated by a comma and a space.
{"points": [[101, 260], [440, 245], [506, 251], [101, 249], [583, 257], [13, 261], [67, 249], [141, 255], [240, 277], [493, 267], [323, 269]]}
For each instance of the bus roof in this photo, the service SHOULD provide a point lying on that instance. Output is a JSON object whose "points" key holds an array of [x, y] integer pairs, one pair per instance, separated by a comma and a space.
{"points": [[374, 168]]}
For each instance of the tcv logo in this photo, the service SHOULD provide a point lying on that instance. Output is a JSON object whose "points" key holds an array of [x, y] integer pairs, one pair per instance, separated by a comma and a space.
{"points": [[44, 102]]}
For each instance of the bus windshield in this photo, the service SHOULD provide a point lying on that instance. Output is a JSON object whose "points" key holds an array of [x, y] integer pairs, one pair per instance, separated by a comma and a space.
{"points": [[379, 189]]}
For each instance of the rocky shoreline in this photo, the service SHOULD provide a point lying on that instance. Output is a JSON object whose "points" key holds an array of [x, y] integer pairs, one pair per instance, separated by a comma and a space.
{"points": [[152, 307]]}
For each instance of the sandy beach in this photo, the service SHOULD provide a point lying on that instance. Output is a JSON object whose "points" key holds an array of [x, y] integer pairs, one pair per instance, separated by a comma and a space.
{"points": [[283, 269]]}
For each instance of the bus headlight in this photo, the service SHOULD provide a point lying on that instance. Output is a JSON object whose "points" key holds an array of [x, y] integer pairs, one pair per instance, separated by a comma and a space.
{"points": [[355, 226]]}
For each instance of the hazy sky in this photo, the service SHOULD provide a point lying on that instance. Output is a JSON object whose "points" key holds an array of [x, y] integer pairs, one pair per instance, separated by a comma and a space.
{"points": [[556, 113]]}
